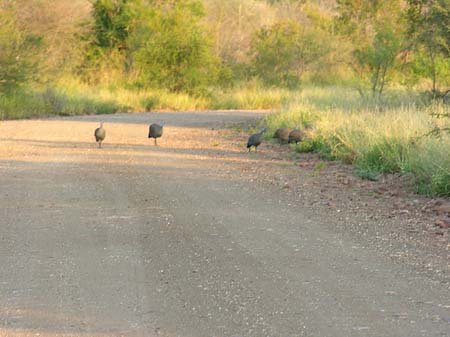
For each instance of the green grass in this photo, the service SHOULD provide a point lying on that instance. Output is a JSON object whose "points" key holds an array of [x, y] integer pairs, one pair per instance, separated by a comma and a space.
{"points": [[377, 137], [51, 102], [71, 97]]}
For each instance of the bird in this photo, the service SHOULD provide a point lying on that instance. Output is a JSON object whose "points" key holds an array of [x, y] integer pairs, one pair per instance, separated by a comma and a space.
{"points": [[155, 131], [295, 136], [282, 134], [255, 140], [100, 134]]}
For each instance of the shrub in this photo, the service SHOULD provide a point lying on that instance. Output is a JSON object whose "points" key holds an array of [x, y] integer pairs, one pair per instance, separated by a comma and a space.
{"points": [[18, 49], [283, 52], [169, 49]]}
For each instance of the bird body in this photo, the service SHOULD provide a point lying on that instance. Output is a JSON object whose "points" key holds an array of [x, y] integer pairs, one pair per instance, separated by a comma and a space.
{"points": [[282, 134], [255, 140], [100, 135], [155, 131], [295, 136]]}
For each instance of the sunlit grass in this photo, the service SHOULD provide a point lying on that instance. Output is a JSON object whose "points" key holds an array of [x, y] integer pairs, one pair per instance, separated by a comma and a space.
{"points": [[69, 96], [376, 137]]}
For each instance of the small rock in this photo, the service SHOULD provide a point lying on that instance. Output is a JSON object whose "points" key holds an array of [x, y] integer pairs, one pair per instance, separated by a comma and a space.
{"points": [[444, 223], [443, 209]]}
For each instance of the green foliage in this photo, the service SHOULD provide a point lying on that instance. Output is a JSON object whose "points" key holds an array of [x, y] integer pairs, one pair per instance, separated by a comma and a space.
{"points": [[283, 52], [429, 30], [151, 102], [376, 30], [107, 40], [379, 57], [386, 156], [49, 102], [305, 146], [18, 48], [169, 48], [319, 144], [112, 20]]}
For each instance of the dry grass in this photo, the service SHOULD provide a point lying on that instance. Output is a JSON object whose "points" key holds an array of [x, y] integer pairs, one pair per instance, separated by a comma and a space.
{"points": [[377, 137]]}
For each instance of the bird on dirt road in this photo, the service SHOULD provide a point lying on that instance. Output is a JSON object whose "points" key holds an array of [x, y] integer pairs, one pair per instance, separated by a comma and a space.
{"points": [[282, 134], [255, 140], [155, 131], [100, 134], [295, 136]]}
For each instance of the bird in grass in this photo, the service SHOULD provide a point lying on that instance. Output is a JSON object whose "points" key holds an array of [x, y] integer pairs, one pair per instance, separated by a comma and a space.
{"points": [[155, 131], [282, 134], [295, 136], [100, 134], [255, 140]]}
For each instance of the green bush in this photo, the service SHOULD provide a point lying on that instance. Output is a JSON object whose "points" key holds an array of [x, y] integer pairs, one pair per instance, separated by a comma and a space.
{"points": [[18, 53], [283, 52], [151, 102], [384, 157], [170, 50]]}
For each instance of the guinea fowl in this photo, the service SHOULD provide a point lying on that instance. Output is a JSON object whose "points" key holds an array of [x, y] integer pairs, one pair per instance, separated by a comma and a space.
{"points": [[155, 131], [282, 134], [255, 140], [100, 134], [295, 136]]}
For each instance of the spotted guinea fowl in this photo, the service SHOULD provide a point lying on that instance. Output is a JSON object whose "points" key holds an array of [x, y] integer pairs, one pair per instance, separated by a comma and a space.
{"points": [[282, 134], [155, 131], [295, 136], [100, 134], [255, 140]]}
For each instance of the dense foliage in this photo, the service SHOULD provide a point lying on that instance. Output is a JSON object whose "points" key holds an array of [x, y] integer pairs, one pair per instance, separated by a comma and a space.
{"points": [[18, 48], [193, 45]]}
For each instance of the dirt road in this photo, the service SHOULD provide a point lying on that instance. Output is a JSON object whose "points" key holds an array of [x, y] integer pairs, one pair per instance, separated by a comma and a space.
{"points": [[192, 238]]}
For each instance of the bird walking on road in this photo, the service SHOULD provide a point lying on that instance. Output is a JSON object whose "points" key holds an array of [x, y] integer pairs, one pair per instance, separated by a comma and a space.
{"points": [[155, 131], [255, 140], [282, 134], [100, 134]]}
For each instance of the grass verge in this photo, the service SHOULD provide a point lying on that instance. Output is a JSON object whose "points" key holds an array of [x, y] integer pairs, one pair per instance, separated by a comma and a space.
{"points": [[376, 137], [71, 97]]}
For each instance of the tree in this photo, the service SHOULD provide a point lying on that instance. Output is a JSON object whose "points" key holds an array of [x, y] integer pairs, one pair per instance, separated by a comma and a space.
{"points": [[283, 52], [112, 20], [106, 41], [379, 57], [18, 63], [169, 48], [59, 25], [429, 30], [375, 29]]}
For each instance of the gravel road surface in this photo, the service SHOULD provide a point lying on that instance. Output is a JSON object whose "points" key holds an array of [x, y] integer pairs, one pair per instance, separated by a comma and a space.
{"points": [[185, 239]]}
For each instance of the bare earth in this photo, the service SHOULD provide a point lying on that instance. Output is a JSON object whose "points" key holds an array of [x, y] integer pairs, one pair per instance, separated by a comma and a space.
{"points": [[197, 238]]}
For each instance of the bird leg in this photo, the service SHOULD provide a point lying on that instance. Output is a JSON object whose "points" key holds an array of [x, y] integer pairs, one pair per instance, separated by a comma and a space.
{"points": [[156, 144]]}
